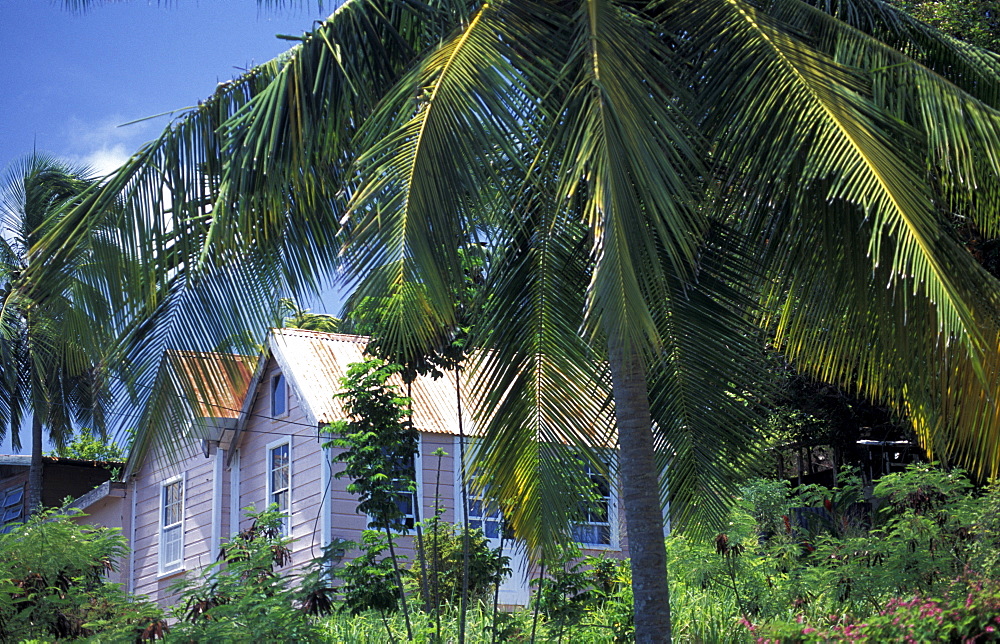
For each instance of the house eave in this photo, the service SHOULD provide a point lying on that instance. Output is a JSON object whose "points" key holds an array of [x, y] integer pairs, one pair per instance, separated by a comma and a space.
{"points": [[104, 490]]}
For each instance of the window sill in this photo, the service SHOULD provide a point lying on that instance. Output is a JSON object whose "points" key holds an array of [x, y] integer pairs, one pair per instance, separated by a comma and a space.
{"points": [[597, 546], [171, 573]]}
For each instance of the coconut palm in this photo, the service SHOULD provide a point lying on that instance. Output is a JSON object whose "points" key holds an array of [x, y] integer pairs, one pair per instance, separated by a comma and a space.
{"points": [[660, 182], [56, 323]]}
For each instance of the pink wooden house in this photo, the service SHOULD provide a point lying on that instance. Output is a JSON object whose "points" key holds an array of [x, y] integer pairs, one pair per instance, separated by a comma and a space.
{"points": [[256, 441]]}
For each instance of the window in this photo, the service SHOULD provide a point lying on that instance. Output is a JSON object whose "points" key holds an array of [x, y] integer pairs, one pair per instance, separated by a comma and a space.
{"points": [[279, 396], [595, 527], [172, 526], [486, 518], [279, 482], [11, 507], [405, 475], [406, 499]]}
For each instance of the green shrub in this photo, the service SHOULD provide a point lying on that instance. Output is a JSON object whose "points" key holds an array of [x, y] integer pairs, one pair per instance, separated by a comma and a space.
{"points": [[974, 617], [241, 597], [52, 583], [442, 549]]}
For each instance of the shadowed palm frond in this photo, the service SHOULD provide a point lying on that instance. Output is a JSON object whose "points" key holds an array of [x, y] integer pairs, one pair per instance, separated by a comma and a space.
{"points": [[709, 384]]}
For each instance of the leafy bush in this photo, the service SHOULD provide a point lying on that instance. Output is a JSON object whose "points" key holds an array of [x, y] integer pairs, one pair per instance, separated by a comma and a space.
{"points": [[579, 594], [442, 550], [370, 578], [241, 596], [969, 619], [52, 582]]}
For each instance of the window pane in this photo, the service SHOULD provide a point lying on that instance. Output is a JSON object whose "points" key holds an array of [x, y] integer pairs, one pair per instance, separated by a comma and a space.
{"points": [[404, 500], [14, 496], [172, 503], [279, 395], [171, 547], [595, 528], [279, 468], [280, 499]]}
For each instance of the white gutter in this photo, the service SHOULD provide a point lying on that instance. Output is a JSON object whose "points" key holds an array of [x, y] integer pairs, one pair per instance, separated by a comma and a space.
{"points": [[326, 508], [216, 505], [131, 549], [234, 493]]}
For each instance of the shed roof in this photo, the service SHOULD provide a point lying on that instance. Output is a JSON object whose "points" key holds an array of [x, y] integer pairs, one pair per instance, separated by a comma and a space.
{"points": [[314, 364]]}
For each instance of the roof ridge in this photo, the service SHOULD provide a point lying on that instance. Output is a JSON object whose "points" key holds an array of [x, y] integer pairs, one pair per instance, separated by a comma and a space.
{"points": [[322, 335]]}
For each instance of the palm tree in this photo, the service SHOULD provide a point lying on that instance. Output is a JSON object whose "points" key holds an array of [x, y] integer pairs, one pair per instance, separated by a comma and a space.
{"points": [[51, 367], [662, 181]]}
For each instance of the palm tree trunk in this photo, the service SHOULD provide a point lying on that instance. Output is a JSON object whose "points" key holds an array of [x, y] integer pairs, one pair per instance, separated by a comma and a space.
{"points": [[34, 495], [640, 495]]}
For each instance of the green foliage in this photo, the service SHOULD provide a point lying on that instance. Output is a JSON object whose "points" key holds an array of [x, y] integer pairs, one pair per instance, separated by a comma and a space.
{"points": [[370, 578], [974, 617], [442, 549], [242, 596], [299, 318], [379, 444], [52, 582], [378, 440], [974, 21], [817, 558], [89, 447], [585, 592]]}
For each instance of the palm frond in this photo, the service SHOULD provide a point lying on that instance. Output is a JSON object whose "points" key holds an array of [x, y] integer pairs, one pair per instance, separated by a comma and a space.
{"points": [[633, 155], [708, 384], [542, 394]]}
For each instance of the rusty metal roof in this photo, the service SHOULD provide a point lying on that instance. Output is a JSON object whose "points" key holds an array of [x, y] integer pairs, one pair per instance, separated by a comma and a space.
{"points": [[213, 384], [314, 364]]}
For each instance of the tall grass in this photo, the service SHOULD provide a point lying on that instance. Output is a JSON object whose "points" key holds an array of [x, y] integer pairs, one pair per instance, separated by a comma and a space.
{"points": [[368, 628]]}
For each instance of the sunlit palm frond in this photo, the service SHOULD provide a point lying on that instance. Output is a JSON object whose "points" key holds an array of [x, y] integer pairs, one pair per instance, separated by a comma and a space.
{"points": [[825, 132], [635, 158], [947, 90], [427, 152]]}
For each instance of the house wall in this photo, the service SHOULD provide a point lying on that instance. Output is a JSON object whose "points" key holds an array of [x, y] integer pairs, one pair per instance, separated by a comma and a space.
{"points": [[112, 512], [348, 524], [306, 494], [199, 551]]}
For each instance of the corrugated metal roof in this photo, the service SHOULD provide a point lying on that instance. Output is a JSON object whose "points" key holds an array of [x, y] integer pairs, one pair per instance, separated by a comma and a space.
{"points": [[213, 384], [314, 364]]}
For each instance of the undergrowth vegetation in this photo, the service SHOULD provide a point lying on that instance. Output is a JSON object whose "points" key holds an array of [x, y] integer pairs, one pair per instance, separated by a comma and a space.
{"points": [[916, 558]]}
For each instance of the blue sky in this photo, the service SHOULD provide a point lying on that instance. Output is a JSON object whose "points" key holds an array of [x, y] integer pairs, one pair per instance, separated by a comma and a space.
{"points": [[68, 81]]}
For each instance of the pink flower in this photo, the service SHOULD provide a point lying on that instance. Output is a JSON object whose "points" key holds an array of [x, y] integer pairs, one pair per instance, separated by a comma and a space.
{"points": [[807, 630], [990, 629]]}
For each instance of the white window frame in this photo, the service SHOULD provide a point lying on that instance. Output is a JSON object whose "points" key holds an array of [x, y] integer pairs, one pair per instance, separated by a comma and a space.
{"points": [[286, 529], [614, 539], [275, 378], [418, 483], [177, 565]]}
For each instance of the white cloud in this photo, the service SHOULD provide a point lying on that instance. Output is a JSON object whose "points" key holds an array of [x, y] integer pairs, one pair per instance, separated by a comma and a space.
{"points": [[106, 144], [107, 159]]}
